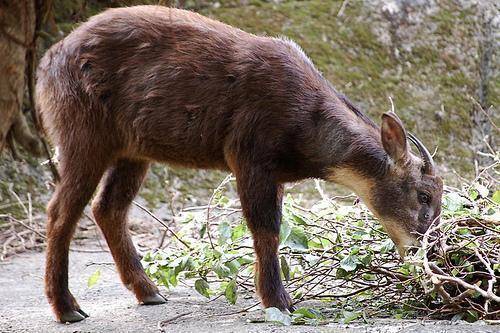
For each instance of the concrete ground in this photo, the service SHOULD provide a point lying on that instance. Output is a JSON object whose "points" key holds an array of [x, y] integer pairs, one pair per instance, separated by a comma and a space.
{"points": [[112, 307]]}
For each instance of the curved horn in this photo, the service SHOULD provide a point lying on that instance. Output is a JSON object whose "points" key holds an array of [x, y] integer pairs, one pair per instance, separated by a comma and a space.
{"points": [[426, 156]]}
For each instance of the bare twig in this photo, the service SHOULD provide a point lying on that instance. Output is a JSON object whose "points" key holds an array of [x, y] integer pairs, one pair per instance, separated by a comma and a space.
{"points": [[162, 223]]}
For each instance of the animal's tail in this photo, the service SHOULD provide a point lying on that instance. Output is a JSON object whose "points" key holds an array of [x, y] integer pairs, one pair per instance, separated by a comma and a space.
{"points": [[36, 92]]}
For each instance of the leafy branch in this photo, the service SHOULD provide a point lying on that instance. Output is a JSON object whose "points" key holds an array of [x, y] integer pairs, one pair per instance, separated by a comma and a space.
{"points": [[339, 253]]}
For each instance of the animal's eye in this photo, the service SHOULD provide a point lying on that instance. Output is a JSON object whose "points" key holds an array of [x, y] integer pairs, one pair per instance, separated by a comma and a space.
{"points": [[424, 198]]}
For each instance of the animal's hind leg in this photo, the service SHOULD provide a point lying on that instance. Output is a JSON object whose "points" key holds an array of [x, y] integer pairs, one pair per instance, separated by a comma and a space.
{"points": [[110, 207], [78, 182]]}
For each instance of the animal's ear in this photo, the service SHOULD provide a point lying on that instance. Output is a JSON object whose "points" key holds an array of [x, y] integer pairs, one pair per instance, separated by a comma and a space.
{"points": [[394, 137]]}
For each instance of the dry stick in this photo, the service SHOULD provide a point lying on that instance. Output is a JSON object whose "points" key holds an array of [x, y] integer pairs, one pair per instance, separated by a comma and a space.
{"points": [[72, 249], [209, 316], [437, 279], [11, 218], [237, 312], [485, 113], [239, 284], [171, 319], [318, 187], [480, 174], [162, 239], [10, 204], [5, 246], [27, 227], [96, 231], [30, 209], [491, 281], [217, 189], [163, 224], [19, 200], [355, 292], [27, 211], [342, 8]]}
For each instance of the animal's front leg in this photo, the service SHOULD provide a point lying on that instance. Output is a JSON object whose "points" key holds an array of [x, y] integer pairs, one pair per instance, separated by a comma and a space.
{"points": [[269, 285], [261, 200]]}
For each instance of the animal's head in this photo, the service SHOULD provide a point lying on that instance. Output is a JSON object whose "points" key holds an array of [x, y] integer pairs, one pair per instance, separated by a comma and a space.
{"points": [[406, 196], [407, 199]]}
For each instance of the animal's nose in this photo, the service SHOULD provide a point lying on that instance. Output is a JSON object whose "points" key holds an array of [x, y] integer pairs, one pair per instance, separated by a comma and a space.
{"points": [[423, 227], [412, 250]]}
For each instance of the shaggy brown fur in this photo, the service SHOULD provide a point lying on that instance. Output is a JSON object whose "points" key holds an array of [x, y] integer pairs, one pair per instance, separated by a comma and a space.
{"points": [[141, 84]]}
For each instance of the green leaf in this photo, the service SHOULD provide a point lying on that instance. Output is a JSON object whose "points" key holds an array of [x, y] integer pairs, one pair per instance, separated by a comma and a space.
{"points": [[496, 197], [231, 292], [285, 231], [148, 257], [224, 232], [222, 271], [454, 201], [202, 287], [361, 235], [297, 239], [350, 316], [299, 219], [354, 249], [238, 231], [349, 263], [387, 246], [153, 269], [309, 313], [276, 316], [311, 259], [245, 260], [173, 278], [473, 194], [203, 230], [94, 278], [366, 259], [233, 266], [315, 244], [341, 273], [482, 190], [223, 200], [369, 277], [471, 316], [187, 264], [404, 269], [164, 280], [285, 268]]}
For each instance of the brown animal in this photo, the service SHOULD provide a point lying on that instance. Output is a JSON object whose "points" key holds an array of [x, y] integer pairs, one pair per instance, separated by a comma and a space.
{"points": [[147, 83]]}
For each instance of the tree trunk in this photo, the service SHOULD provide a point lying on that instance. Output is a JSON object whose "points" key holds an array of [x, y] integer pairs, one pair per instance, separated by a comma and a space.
{"points": [[482, 112], [17, 38]]}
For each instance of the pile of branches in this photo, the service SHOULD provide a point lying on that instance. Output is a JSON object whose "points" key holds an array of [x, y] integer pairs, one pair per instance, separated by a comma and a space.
{"points": [[339, 253], [461, 262], [23, 227], [21, 233]]}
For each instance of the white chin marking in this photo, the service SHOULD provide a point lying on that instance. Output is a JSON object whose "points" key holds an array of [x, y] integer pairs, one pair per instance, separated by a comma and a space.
{"points": [[404, 244], [399, 236]]}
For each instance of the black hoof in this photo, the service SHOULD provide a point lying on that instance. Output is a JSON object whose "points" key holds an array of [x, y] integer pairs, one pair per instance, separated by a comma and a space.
{"points": [[154, 300], [73, 316], [80, 311]]}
